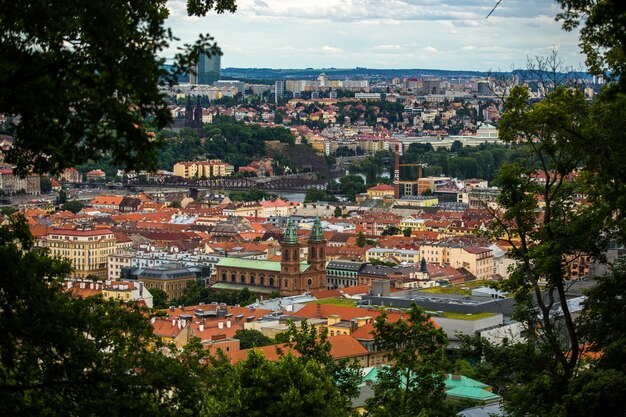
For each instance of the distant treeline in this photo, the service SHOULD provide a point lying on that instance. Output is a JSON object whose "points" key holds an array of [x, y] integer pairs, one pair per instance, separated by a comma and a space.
{"points": [[226, 138], [460, 162]]}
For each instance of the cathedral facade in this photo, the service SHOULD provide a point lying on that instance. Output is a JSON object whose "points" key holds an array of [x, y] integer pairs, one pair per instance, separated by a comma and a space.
{"points": [[290, 276]]}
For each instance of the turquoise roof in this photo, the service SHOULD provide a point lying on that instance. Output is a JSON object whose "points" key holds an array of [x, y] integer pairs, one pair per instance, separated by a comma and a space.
{"points": [[473, 393], [317, 234], [291, 237], [270, 266], [463, 381], [460, 388]]}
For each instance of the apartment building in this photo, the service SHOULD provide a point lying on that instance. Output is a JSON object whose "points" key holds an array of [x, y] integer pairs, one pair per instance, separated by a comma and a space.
{"points": [[203, 169], [86, 249]]}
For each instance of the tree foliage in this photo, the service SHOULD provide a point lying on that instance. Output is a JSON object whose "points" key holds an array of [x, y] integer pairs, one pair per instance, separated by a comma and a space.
{"points": [[251, 339], [83, 79], [62, 355], [413, 385]]}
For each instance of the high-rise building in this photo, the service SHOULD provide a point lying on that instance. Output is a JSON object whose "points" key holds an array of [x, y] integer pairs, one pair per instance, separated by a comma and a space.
{"points": [[207, 71], [279, 90]]}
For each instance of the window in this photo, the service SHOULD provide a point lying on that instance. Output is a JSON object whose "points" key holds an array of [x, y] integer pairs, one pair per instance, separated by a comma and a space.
{"points": [[233, 277]]}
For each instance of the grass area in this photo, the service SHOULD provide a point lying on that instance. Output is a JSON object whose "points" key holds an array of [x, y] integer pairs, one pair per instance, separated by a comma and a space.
{"points": [[463, 316], [458, 289], [336, 302]]}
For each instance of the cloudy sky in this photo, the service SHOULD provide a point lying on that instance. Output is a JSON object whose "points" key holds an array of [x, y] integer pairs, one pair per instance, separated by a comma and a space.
{"points": [[437, 34]]}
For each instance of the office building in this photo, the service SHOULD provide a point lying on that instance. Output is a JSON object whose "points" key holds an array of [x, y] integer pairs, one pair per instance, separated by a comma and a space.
{"points": [[207, 71], [279, 90]]}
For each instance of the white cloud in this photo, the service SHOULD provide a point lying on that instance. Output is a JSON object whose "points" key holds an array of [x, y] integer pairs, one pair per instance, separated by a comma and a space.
{"points": [[332, 49], [387, 47], [446, 34]]}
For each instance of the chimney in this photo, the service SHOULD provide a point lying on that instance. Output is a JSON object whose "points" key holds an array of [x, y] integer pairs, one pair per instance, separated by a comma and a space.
{"points": [[173, 322], [153, 320], [396, 173], [69, 284], [201, 327], [180, 325], [228, 324], [220, 325]]}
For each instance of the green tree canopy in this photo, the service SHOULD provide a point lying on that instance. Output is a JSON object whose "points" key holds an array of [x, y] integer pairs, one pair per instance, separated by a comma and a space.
{"points": [[63, 355], [414, 384], [83, 79]]}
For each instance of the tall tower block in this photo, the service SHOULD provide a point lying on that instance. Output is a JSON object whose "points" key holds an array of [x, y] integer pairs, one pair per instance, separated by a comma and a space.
{"points": [[396, 174]]}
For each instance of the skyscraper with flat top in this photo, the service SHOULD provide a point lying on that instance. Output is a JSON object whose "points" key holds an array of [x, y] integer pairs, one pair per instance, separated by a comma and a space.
{"points": [[207, 71]]}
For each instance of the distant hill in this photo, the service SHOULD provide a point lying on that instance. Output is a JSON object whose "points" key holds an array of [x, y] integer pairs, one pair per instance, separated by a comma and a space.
{"points": [[300, 156], [269, 75], [340, 73]]}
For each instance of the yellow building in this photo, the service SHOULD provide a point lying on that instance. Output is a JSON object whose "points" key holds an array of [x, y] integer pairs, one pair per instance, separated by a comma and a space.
{"points": [[86, 249], [413, 224], [203, 169], [118, 291], [380, 191]]}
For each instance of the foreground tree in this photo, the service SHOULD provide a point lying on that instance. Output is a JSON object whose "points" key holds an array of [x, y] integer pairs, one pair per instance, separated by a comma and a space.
{"points": [[82, 79], [286, 387], [414, 384], [61, 355]]}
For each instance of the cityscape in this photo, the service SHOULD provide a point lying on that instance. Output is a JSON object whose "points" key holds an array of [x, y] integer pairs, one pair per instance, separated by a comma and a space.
{"points": [[181, 237]]}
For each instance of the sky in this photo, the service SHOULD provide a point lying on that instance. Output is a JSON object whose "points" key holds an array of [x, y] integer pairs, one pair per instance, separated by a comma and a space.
{"points": [[430, 34]]}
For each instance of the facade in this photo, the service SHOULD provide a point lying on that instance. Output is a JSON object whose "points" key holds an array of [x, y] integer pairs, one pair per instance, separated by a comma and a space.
{"points": [[342, 274], [171, 278], [411, 256], [87, 249], [290, 276], [71, 175], [430, 183], [96, 175], [127, 291], [279, 90], [203, 169], [10, 183], [380, 191], [207, 71]]}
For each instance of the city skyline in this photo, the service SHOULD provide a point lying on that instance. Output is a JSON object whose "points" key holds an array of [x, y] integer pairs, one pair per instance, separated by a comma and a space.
{"points": [[435, 34]]}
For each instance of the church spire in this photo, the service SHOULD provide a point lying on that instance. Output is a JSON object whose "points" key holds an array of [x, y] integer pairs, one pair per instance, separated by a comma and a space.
{"points": [[291, 237], [317, 234]]}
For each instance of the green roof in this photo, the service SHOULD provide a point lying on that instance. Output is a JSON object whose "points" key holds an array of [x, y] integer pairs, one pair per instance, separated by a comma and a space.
{"points": [[238, 287], [270, 266], [291, 237], [473, 393], [463, 381], [317, 235]]}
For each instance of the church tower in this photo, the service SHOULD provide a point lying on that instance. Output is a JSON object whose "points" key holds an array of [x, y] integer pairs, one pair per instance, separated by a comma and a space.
{"points": [[290, 251], [317, 247]]}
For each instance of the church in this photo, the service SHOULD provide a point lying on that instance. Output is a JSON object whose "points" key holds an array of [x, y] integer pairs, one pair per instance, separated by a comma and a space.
{"points": [[290, 276]]}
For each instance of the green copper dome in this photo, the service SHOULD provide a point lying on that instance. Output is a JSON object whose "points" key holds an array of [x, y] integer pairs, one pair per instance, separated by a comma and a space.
{"points": [[317, 234], [291, 237]]}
